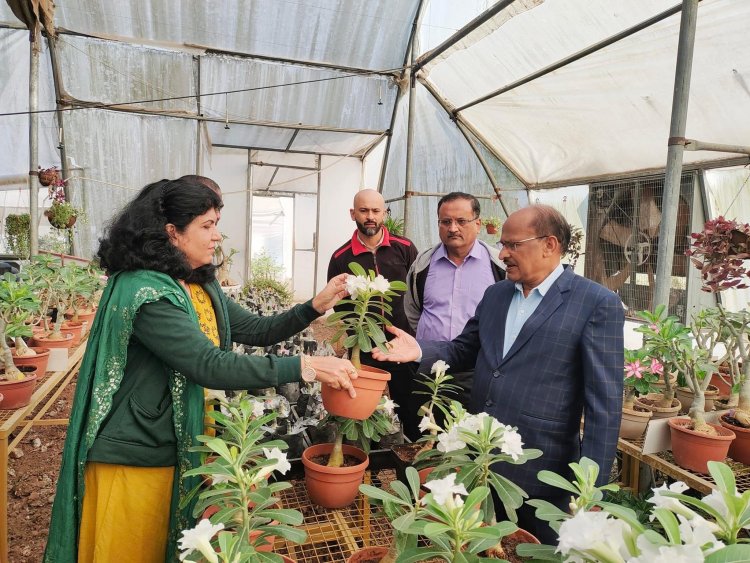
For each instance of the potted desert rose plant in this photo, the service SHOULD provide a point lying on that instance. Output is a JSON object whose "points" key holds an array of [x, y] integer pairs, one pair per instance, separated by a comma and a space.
{"points": [[641, 372], [237, 507], [361, 316], [17, 303], [438, 386], [693, 530], [334, 471], [459, 529]]}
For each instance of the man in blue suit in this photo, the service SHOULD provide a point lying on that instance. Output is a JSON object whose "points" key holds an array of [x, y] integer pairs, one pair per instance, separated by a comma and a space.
{"points": [[547, 347]]}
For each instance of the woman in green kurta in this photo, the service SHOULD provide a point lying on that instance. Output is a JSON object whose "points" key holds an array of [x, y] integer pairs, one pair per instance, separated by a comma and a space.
{"points": [[139, 397]]}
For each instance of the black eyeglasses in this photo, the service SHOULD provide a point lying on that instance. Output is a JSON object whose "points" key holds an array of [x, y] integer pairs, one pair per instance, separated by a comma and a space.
{"points": [[460, 222], [513, 245]]}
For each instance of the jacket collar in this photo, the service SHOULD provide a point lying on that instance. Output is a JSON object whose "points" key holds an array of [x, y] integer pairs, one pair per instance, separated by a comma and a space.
{"points": [[359, 248]]}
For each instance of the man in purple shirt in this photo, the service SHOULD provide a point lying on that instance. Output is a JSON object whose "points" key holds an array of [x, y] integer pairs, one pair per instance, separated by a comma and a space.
{"points": [[446, 282]]}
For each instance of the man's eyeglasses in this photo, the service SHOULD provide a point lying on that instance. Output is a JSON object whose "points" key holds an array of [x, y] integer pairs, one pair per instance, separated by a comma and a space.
{"points": [[460, 222], [513, 245]]}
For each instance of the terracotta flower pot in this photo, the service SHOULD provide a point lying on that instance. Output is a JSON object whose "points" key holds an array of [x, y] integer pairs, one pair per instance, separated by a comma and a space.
{"points": [[685, 396], [82, 317], [39, 361], [17, 394], [634, 422], [369, 385], [739, 449], [693, 450], [652, 399], [333, 487], [75, 328], [42, 339], [725, 387], [368, 555], [491, 229]]}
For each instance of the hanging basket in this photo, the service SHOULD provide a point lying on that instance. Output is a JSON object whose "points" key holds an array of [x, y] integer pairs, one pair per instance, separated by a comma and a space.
{"points": [[55, 222], [48, 176]]}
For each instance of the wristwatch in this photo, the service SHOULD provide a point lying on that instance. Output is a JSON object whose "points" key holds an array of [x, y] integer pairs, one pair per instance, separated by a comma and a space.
{"points": [[308, 372]]}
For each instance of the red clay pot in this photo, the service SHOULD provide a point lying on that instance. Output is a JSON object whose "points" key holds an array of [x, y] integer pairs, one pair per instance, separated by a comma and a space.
{"points": [[367, 554], [693, 450], [369, 385], [634, 422], [333, 487], [43, 340], [82, 317], [17, 394], [725, 387], [75, 328], [39, 362], [739, 449]]}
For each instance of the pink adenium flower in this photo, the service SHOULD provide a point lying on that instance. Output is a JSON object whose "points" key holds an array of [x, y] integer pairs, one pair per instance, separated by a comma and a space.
{"points": [[657, 367], [634, 369]]}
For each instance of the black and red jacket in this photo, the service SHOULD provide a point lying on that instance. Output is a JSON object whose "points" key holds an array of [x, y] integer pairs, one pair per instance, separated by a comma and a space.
{"points": [[391, 259]]}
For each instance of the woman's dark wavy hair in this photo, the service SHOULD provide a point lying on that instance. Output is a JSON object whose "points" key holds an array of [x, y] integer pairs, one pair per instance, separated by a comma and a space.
{"points": [[137, 238]]}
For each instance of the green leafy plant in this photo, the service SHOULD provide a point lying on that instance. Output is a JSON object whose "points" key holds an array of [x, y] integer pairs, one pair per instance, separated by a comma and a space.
{"points": [[690, 529], [394, 225], [575, 246], [370, 298], [265, 281], [492, 222], [17, 303], [239, 464], [17, 234], [472, 444], [60, 214]]}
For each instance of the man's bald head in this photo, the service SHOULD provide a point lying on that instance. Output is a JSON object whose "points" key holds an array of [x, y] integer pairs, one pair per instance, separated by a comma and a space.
{"points": [[368, 212]]}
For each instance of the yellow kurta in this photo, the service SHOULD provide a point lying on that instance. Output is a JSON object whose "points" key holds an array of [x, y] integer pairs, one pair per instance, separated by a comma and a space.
{"points": [[125, 515]]}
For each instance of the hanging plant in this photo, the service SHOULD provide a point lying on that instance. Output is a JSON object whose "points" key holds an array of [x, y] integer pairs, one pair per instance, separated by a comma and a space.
{"points": [[17, 234], [62, 214], [720, 252]]}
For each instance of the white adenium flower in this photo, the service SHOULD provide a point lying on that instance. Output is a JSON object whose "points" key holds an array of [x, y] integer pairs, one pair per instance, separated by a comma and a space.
{"points": [[199, 538], [472, 423], [282, 465], [439, 367], [672, 504], [258, 409], [445, 489], [699, 532], [450, 441], [594, 533], [356, 285], [388, 406], [380, 284], [426, 425], [512, 444], [651, 553]]}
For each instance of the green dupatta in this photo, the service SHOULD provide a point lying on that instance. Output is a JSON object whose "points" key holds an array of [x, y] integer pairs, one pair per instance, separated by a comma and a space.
{"points": [[99, 378]]}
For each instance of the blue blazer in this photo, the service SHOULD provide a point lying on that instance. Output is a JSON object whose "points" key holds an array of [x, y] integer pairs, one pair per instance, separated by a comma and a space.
{"points": [[567, 361]]}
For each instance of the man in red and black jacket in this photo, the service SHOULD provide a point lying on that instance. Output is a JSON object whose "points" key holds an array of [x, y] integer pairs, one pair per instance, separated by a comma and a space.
{"points": [[374, 248]]}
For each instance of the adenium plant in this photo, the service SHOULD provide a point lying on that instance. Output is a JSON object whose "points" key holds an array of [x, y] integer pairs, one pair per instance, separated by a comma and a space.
{"points": [[694, 530], [370, 295], [641, 372]]}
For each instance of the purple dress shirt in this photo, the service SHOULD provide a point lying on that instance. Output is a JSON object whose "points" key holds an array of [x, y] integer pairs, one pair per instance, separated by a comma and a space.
{"points": [[452, 293]]}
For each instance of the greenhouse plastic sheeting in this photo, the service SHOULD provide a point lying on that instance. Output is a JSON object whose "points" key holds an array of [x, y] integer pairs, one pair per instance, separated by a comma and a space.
{"points": [[609, 112], [14, 93], [120, 154], [368, 34]]}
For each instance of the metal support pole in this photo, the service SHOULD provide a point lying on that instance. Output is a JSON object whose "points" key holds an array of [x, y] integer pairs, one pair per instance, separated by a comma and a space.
{"points": [[408, 228], [316, 234], [249, 214], [485, 166], [671, 197], [34, 49]]}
